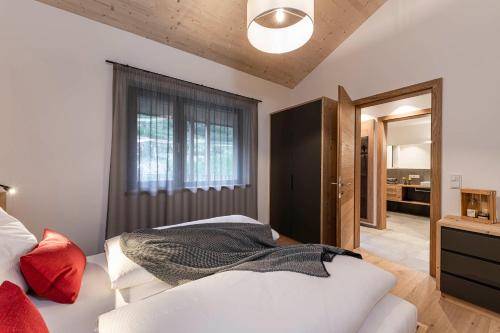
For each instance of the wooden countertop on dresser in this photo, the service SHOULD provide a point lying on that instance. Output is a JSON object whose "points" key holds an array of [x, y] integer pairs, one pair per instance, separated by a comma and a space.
{"points": [[457, 223]]}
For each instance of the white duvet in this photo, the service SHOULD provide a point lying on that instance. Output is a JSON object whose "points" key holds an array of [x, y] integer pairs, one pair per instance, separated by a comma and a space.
{"points": [[250, 302]]}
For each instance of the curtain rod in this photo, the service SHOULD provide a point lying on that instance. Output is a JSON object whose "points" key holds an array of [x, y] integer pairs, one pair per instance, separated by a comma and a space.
{"points": [[170, 77]]}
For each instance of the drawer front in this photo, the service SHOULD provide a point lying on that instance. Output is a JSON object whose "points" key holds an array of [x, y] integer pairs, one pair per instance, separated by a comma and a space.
{"points": [[471, 243], [393, 189], [471, 268], [393, 197], [474, 293], [394, 193]]}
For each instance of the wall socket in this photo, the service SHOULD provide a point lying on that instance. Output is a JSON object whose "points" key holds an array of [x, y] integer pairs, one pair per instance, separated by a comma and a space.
{"points": [[456, 182], [414, 176]]}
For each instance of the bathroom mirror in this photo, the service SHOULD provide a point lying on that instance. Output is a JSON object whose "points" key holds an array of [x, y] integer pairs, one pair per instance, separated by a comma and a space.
{"points": [[412, 156]]}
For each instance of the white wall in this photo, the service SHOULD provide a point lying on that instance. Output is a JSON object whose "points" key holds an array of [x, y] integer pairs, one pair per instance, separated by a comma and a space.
{"points": [[55, 113], [411, 41]]}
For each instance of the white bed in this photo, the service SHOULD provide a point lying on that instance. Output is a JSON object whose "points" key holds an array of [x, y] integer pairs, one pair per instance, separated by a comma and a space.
{"points": [[353, 299], [390, 315]]}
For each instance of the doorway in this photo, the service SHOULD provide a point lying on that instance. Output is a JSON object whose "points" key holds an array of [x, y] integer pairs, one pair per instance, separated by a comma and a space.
{"points": [[376, 187], [398, 228]]}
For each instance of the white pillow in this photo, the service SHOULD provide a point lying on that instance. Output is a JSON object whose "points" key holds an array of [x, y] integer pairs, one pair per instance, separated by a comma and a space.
{"points": [[134, 294], [124, 273], [15, 241]]}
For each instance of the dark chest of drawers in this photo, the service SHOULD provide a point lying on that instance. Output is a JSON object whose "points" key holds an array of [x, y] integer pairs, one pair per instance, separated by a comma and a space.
{"points": [[469, 262]]}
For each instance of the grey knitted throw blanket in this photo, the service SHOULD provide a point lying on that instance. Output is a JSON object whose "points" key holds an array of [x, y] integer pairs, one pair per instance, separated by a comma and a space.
{"points": [[181, 254]]}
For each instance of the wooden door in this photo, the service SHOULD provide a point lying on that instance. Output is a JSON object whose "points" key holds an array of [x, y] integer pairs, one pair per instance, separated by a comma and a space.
{"points": [[346, 143]]}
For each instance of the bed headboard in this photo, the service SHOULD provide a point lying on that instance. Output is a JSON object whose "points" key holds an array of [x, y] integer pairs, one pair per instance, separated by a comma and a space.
{"points": [[3, 200]]}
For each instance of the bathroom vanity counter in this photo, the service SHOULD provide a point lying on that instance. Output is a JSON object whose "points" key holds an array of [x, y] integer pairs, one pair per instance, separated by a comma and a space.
{"points": [[415, 186], [409, 194]]}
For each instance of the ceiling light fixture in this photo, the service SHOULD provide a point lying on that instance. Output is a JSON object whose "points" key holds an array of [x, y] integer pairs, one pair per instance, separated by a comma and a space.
{"points": [[279, 26]]}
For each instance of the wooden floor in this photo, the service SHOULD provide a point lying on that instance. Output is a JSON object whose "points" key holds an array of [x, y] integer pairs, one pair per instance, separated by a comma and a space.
{"points": [[440, 315]]}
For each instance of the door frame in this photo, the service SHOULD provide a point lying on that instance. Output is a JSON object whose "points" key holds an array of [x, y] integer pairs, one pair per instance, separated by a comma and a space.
{"points": [[370, 133], [435, 88], [382, 122], [348, 156]]}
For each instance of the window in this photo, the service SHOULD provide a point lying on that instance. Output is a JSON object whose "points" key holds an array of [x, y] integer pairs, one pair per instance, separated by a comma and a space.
{"points": [[170, 135], [181, 143]]}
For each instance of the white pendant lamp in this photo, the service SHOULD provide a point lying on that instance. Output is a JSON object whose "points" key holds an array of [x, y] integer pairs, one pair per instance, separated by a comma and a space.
{"points": [[279, 26]]}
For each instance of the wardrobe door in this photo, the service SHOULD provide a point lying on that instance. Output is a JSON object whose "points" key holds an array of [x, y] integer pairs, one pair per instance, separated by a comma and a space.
{"points": [[306, 172], [281, 180]]}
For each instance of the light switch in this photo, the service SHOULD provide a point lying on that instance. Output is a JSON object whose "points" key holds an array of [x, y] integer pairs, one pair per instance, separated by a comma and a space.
{"points": [[456, 182]]}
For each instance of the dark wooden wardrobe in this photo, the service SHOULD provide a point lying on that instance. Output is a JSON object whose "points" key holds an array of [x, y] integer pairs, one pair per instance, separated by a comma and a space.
{"points": [[302, 200]]}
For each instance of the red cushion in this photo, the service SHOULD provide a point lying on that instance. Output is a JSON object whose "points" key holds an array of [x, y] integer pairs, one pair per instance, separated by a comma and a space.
{"points": [[54, 268], [17, 312]]}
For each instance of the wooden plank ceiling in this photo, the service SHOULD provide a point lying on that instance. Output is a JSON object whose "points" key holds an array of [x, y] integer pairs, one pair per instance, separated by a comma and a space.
{"points": [[216, 30]]}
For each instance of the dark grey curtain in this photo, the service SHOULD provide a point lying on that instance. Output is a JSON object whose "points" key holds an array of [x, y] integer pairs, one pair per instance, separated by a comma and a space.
{"points": [[180, 152]]}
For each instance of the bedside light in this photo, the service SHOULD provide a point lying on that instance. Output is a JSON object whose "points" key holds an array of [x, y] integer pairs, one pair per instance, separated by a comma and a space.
{"points": [[8, 189]]}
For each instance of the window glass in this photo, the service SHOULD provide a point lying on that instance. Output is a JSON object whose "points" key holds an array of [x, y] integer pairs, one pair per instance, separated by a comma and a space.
{"points": [[196, 152], [222, 153], [155, 145]]}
